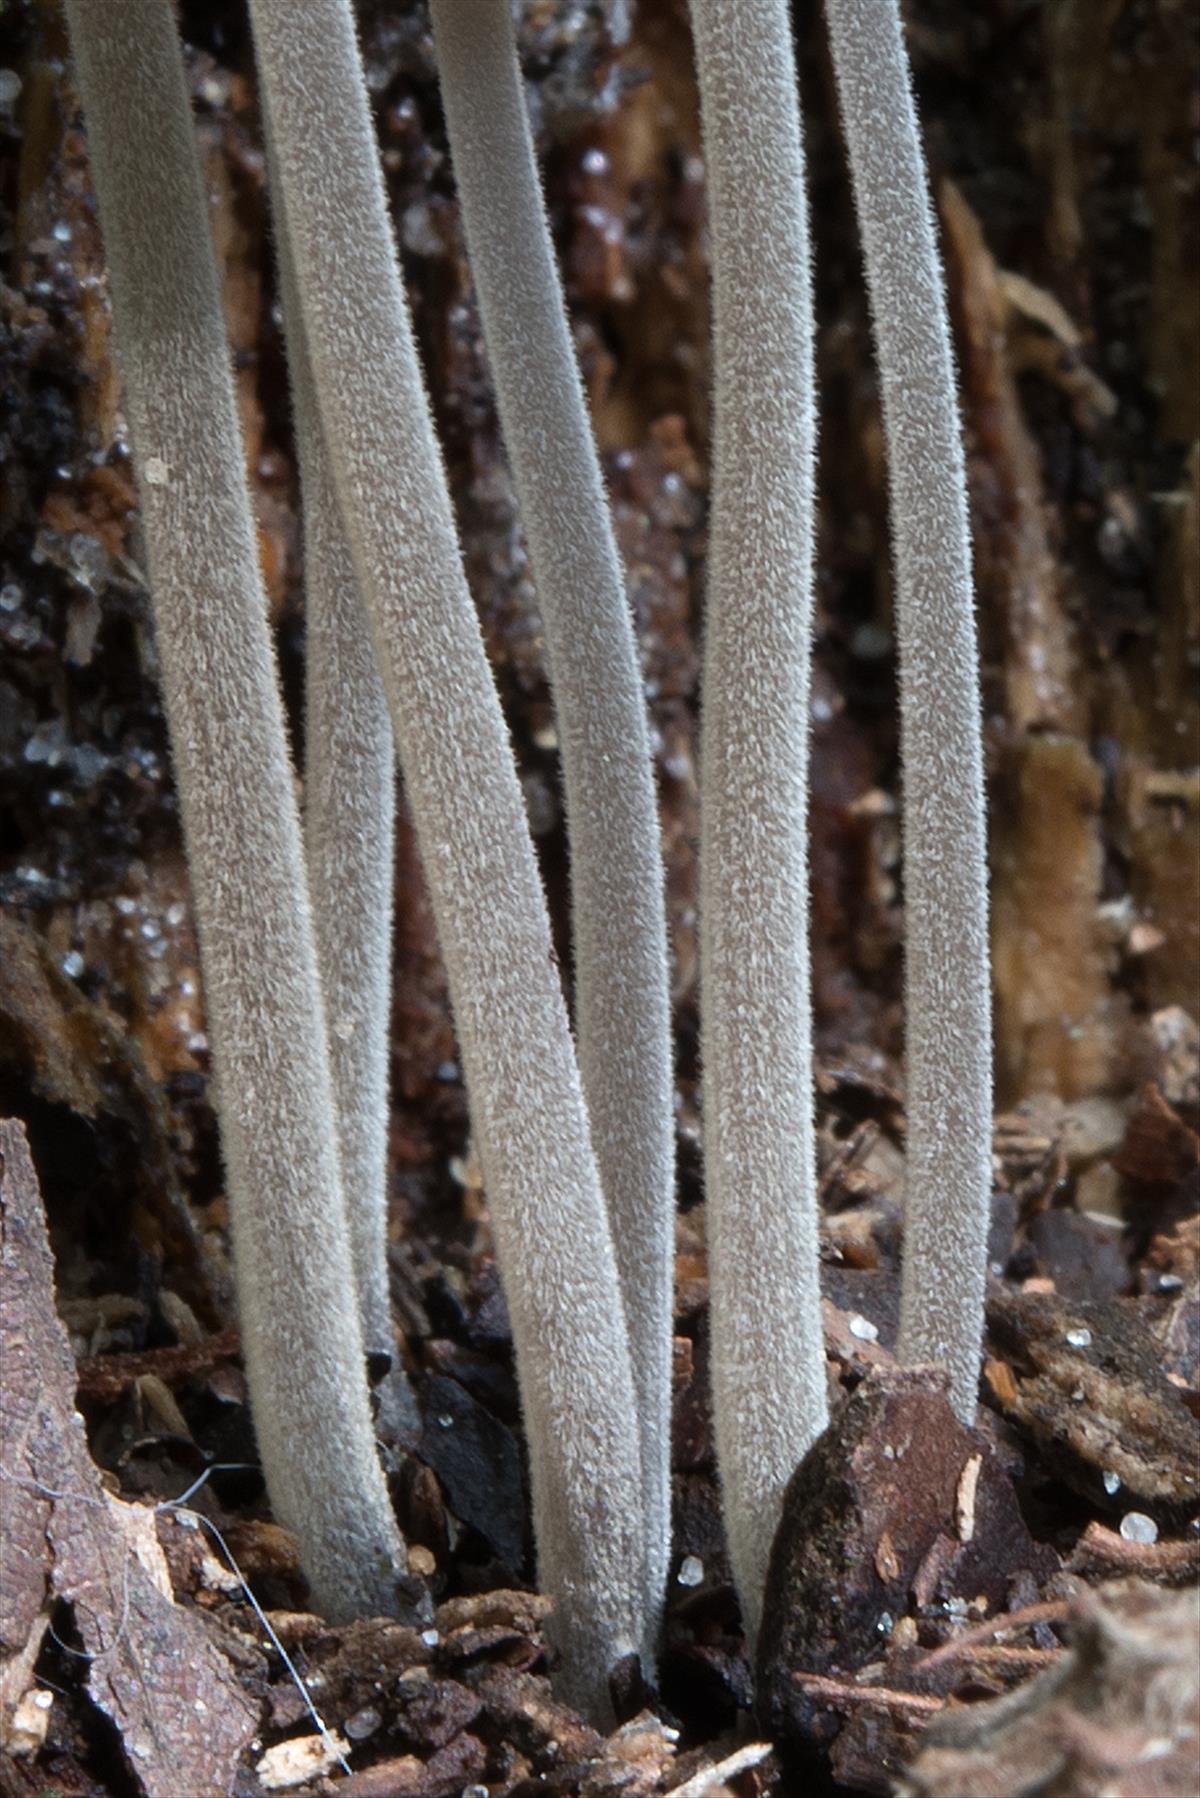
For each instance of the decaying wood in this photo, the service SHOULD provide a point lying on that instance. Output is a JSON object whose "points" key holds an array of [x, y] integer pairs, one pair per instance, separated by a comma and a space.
{"points": [[179, 1710]]}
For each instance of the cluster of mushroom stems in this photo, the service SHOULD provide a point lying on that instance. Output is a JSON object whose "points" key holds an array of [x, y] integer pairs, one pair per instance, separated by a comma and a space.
{"points": [[574, 1126]]}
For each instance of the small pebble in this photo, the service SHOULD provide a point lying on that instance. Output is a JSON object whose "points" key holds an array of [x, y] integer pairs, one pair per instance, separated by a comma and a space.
{"points": [[1079, 1338], [1137, 1527], [863, 1328]]}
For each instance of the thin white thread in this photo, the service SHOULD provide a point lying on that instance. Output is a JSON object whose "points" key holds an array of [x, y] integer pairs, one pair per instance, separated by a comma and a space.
{"points": [[181, 1508]]}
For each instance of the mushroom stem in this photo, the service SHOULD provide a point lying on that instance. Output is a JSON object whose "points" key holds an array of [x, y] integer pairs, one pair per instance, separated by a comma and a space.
{"points": [[622, 1002], [300, 1329], [530, 1122], [768, 1363], [349, 813], [947, 982]]}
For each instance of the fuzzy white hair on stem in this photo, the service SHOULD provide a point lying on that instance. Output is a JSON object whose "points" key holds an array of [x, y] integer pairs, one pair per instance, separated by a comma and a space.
{"points": [[349, 818], [768, 1365], [300, 1329], [527, 1105], [948, 1052], [622, 1000]]}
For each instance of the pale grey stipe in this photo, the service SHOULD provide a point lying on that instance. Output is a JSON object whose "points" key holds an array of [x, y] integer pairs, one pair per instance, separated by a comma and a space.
{"points": [[768, 1364], [300, 1332], [948, 1050], [527, 1106], [622, 999], [349, 818]]}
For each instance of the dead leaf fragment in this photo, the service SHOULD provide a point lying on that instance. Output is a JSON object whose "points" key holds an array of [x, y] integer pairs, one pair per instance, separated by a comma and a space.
{"points": [[1117, 1714], [872, 1528], [1087, 1387], [712, 1779]]}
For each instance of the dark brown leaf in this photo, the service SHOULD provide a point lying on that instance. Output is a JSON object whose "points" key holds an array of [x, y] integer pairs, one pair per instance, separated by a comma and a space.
{"points": [[895, 1508]]}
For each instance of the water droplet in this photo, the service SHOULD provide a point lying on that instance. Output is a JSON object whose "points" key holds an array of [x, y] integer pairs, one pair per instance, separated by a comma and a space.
{"points": [[362, 1724], [863, 1328], [418, 231], [86, 561], [88, 762], [691, 1571], [1112, 1482], [46, 744], [1137, 1527], [1079, 1338]]}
